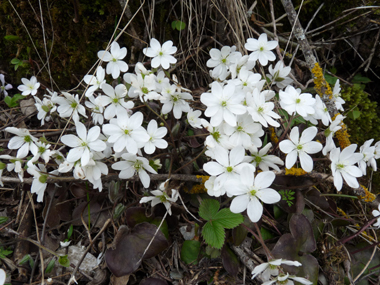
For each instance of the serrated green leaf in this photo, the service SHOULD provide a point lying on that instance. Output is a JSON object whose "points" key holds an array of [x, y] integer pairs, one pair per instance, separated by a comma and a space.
{"points": [[50, 266], [227, 219], [64, 261], [4, 252], [208, 209], [213, 234], [190, 251]]}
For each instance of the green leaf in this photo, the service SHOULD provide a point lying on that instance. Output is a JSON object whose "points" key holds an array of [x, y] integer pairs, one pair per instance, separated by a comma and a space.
{"points": [[11, 38], [70, 232], [3, 220], [25, 259], [227, 219], [330, 79], [4, 252], [174, 25], [50, 266], [358, 78], [213, 234], [119, 209], [354, 114], [266, 234], [15, 61], [190, 251], [8, 101], [64, 260], [283, 113], [208, 209], [333, 70], [180, 25], [212, 252], [277, 212]]}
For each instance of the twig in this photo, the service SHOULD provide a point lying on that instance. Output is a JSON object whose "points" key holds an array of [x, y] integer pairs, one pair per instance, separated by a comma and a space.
{"points": [[87, 249], [372, 51]]}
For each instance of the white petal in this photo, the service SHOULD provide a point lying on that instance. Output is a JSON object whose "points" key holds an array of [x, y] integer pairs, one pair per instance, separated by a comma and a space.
{"points": [[254, 210], [239, 204]]}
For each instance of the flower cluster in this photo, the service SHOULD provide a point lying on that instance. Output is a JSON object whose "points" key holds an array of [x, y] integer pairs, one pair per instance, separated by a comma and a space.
{"points": [[241, 109]]}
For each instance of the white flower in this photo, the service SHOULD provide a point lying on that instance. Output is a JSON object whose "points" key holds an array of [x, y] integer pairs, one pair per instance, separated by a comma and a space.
{"points": [[292, 101], [270, 268], [114, 59], [260, 159], [65, 243], [329, 133], [84, 144], [176, 102], [247, 81], [23, 141], [240, 62], [261, 49], [114, 101], [161, 80], [39, 180], [368, 152], [160, 196], [245, 132], [143, 86], [217, 136], [279, 74], [156, 134], [220, 60], [260, 110], [377, 150], [132, 164], [288, 280], [161, 55], [42, 150], [96, 109], [44, 107], [14, 164], [338, 100], [94, 170], [342, 165], [321, 112], [69, 105], [29, 86], [223, 103], [3, 87], [376, 214], [193, 118], [250, 190], [126, 132], [301, 147], [3, 276], [95, 82], [228, 165]]}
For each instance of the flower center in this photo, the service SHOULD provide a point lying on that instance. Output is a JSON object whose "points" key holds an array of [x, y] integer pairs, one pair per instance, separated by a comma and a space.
{"points": [[340, 166], [298, 101], [42, 178], [138, 165], [260, 110], [144, 90], [253, 192], [160, 53], [114, 59], [74, 105], [163, 198], [41, 149], [27, 139], [115, 100], [224, 60], [229, 169], [45, 108], [224, 103], [239, 129], [126, 132], [299, 147], [83, 144], [216, 136], [261, 48], [258, 159]]}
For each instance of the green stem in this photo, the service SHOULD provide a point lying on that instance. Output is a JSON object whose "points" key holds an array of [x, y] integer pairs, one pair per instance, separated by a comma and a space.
{"points": [[340, 195]]}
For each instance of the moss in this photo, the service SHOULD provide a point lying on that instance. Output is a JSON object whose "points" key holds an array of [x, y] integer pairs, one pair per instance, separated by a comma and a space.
{"points": [[367, 126]]}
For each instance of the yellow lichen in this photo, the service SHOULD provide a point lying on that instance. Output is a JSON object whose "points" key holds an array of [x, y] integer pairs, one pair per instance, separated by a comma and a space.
{"points": [[321, 85], [295, 171], [342, 134], [368, 197], [198, 188], [273, 136]]}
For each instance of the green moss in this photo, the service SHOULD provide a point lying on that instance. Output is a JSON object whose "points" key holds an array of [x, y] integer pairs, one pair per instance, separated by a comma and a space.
{"points": [[367, 126]]}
